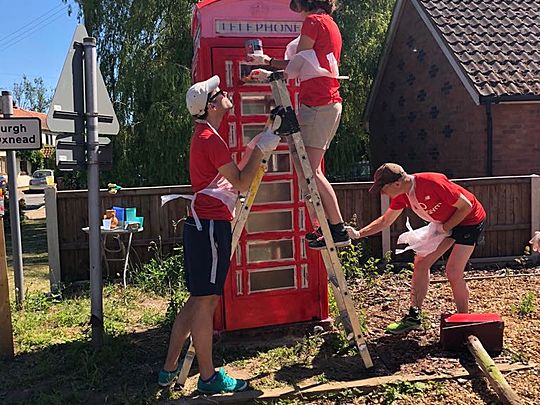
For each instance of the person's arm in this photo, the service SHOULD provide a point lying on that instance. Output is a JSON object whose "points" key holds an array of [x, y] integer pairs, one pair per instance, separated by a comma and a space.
{"points": [[464, 207], [304, 44], [241, 179], [383, 222]]}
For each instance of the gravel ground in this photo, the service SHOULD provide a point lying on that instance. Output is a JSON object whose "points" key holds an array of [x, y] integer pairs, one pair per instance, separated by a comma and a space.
{"points": [[419, 352], [382, 300]]}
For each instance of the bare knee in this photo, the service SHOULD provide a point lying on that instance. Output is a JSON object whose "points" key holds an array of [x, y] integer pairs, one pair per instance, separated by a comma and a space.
{"points": [[455, 276], [207, 302]]}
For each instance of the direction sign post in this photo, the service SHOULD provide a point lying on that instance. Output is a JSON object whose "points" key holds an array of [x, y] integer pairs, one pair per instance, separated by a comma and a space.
{"points": [[94, 206], [81, 102], [16, 134]]}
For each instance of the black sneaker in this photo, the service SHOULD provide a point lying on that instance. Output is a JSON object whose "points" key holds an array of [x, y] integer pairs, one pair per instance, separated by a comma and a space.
{"points": [[316, 234], [341, 239]]}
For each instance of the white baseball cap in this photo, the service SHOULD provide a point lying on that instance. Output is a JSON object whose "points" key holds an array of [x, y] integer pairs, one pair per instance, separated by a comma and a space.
{"points": [[197, 95]]}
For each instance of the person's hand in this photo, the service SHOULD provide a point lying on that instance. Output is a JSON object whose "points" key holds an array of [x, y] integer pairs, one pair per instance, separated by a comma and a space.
{"points": [[259, 75], [257, 59], [353, 233], [268, 141], [439, 229], [535, 241]]}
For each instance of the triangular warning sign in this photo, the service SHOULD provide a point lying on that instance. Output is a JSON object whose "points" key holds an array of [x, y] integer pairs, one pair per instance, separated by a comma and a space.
{"points": [[64, 95]]}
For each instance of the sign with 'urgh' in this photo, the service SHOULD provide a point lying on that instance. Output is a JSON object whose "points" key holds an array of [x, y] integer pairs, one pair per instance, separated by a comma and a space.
{"points": [[20, 133]]}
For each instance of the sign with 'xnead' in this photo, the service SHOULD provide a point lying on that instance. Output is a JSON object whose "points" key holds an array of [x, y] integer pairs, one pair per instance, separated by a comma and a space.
{"points": [[20, 133]]}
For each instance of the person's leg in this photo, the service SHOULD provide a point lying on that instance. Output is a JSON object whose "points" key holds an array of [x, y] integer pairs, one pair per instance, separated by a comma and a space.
{"points": [[419, 288], [326, 191], [202, 332], [180, 332], [420, 277], [455, 269]]}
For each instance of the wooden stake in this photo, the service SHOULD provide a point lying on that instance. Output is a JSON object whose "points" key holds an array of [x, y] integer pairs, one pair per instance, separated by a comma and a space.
{"points": [[497, 381], [6, 330]]}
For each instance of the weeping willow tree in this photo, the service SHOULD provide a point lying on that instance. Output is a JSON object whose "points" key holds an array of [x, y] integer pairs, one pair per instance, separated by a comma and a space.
{"points": [[144, 49], [363, 25]]}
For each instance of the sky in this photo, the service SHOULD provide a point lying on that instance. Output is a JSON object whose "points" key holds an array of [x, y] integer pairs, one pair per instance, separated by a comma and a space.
{"points": [[34, 40]]}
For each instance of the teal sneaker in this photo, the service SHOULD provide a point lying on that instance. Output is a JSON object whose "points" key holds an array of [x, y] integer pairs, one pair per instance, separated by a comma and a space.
{"points": [[222, 382], [167, 378], [409, 322]]}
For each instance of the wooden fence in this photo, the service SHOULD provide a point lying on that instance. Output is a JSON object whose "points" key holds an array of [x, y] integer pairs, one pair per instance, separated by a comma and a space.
{"points": [[512, 205]]}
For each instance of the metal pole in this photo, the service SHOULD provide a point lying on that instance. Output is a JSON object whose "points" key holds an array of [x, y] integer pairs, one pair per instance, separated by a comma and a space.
{"points": [[14, 218], [94, 205]]}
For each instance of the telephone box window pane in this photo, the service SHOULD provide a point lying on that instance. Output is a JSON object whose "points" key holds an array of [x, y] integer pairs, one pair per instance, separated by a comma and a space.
{"points": [[266, 251], [245, 70], [275, 279], [251, 131], [256, 103], [269, 221], [274, 192], [279, 162]]}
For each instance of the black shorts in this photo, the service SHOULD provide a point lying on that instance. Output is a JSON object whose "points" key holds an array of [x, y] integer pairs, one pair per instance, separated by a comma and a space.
{"points": [[207, 255], [468, 235]]}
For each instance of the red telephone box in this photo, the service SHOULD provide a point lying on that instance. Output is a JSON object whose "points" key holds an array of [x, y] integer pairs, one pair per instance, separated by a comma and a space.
{"points": [[274, 278]]}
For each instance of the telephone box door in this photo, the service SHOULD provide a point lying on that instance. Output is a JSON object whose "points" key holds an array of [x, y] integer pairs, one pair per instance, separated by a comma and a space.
{"points": [[274, 278]]}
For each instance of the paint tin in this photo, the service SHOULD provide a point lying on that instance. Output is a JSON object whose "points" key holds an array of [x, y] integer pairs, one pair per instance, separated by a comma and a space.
{"points": [[254, 46]]}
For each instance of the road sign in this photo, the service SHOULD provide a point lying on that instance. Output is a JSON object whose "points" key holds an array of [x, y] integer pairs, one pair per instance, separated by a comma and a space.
{"points": [[71, 153], [20, 133], [64, 95]]}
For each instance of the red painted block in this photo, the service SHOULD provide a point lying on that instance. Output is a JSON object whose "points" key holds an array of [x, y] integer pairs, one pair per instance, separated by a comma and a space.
{"points": [[488, 328]]}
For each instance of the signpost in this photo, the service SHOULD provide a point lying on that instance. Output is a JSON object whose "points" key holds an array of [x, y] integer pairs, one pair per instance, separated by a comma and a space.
{"points": [[6, 329], [16, 134], [82, 109]]}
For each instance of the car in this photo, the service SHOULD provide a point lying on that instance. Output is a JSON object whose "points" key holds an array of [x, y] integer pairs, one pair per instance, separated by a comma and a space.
{"points": [[41, 179]]}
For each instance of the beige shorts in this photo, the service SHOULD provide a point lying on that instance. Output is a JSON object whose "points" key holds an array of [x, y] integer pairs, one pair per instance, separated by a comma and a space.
{"points": [[319, 124]]}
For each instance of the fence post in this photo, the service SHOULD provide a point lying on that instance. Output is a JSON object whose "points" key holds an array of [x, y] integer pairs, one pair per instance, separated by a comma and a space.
{"points": [[385, 204], [53, 244], [535, 203]]}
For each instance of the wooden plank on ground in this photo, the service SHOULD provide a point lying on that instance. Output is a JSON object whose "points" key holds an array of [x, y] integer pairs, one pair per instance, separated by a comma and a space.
{"points": [[496, 379], [314, 389]]}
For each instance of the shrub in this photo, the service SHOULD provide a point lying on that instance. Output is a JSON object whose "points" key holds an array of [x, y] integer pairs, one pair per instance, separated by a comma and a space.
{"points": [[164, 276]]}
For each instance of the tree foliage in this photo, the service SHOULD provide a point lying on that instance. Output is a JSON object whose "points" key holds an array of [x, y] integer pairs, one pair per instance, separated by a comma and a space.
{"points": [[145, 53], [363, 25], [32, 95]]}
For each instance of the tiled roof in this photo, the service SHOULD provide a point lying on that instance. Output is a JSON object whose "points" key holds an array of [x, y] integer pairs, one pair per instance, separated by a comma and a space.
{"points": [[21, 113], [497, 42]]}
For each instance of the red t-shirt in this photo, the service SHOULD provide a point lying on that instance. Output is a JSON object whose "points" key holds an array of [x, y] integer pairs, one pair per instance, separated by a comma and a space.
{"points": [[321, 90], [208, 152], [436, 195]]}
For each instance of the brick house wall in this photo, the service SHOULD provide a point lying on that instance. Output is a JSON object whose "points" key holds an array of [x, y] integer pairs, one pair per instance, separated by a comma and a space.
{"points": [[516, 139], [424, 118]]}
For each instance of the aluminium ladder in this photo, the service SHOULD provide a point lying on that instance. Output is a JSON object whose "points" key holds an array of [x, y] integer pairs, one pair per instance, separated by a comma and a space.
{"points": [[285, 124]]}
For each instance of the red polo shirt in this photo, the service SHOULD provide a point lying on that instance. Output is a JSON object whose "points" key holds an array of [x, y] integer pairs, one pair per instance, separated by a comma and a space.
{"points": [[437, 195], [324, 31], [208, 152]]}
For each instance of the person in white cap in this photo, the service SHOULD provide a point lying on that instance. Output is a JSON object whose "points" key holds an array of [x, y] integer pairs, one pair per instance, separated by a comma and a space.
{"points": [[313, 58], [457, 215], [215, 180]]}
